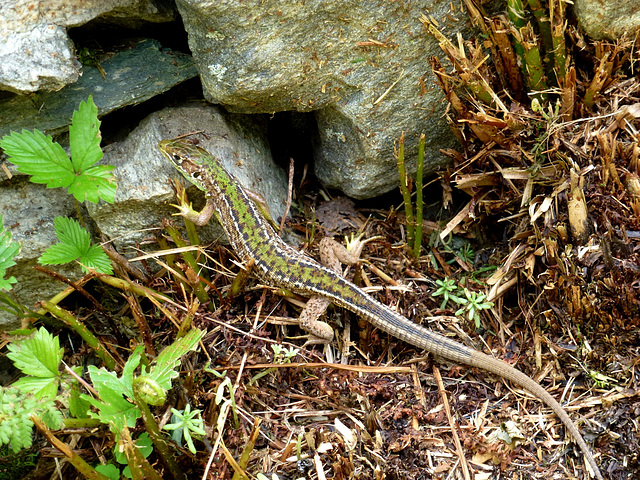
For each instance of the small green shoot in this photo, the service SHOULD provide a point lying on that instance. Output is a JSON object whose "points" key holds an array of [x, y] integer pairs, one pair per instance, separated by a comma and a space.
{"points": [[600, 379], [448, 289], [466, 254], [36, 154], [75, 244], [419, 198], [405, 189], [186, 424], [473, 303], [281, 355], [8, 250]]}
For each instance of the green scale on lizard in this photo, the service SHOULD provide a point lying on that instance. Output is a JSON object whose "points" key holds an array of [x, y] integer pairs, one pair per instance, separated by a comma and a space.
{"points": [[280, 265]]}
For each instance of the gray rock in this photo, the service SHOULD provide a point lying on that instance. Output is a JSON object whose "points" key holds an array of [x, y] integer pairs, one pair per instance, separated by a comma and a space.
{"points": [[354, 154], [144, 193], [604, 19], [131, 77], [40, 58], [363, 66], [35, 51], [28, 212]]}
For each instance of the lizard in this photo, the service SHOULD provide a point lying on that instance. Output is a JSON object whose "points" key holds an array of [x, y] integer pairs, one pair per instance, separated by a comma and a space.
{"points": [[281, 265]]}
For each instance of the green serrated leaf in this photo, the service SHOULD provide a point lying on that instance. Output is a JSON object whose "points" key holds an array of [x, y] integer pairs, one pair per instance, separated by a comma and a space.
{"points": [[75, 244], [5, 283], [38, 155], [96, 258], [39, 356], [95, 184], [70, 232], [113, 408], [8, 250], [105, 380], [59, 254], [168, 360], [41, 388], [84, 136], [129, 368], [78, 407]]}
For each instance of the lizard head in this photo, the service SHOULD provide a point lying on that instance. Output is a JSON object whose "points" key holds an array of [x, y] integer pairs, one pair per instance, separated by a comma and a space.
{"points": [[187, 158]]}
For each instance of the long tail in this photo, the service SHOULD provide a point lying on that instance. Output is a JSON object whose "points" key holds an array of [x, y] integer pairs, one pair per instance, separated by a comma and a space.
{"points": [[400, 327]]}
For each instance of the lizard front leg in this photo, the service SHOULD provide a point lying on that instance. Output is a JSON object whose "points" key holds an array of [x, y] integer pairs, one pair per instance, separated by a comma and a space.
{"points": [[185, 208]]}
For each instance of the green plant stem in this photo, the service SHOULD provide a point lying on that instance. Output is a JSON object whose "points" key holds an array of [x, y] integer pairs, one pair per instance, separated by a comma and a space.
{"points": [[243, 461], [192, 233], [532, 61], [83, 467], [132, 287], [558, 28], [406, 194], [419, 199], [139, 466], [190, 260], [541, 13], [83, 331], [240, 281], [515, 12], [57, 299], [187, 320], [81, 422], [155, 435], [169, 258]]}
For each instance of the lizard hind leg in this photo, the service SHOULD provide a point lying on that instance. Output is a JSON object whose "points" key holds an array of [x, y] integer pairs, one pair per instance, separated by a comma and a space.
{"points": [[332, 255], [319, 332]]}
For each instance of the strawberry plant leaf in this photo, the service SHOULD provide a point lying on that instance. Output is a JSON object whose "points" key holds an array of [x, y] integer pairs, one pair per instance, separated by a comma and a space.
{"points": [[168, 360], [75, 244], [113, 408], [84, 136], [39, 387], [39, 355], [94, 184], [38, 155]]}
